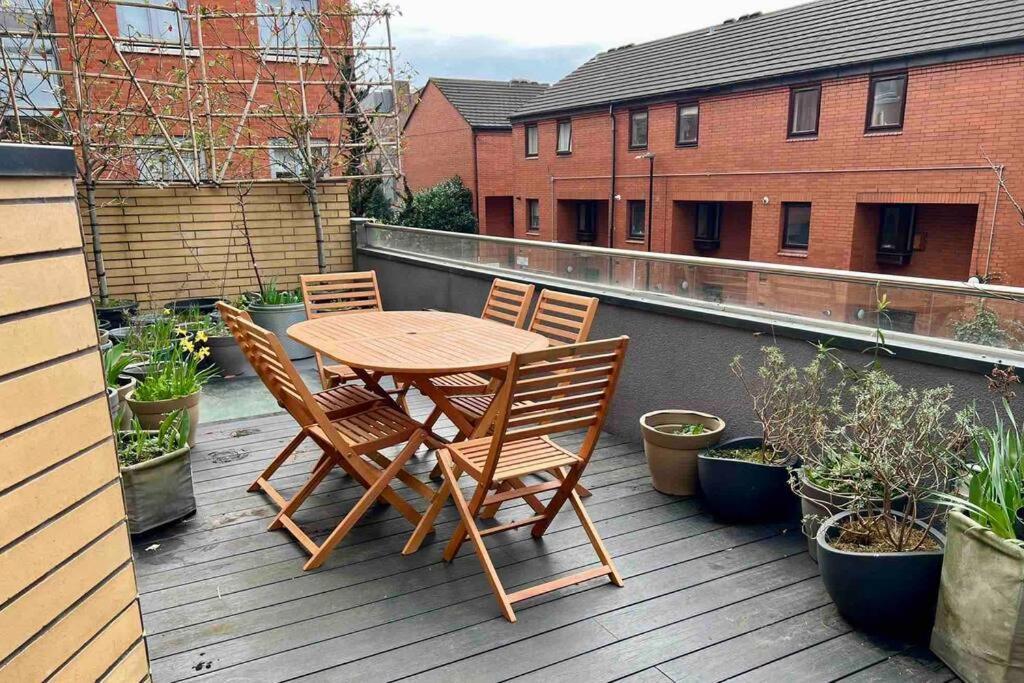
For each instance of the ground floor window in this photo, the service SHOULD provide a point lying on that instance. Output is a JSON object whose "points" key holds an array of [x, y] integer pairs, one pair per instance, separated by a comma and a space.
{"points": [[532, 215], [796, 225], [586, 221], [637, 209], [707, 230], [896, 233]]}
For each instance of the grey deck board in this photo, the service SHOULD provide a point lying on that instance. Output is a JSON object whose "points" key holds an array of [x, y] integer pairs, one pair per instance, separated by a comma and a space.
{"points": [[224, 599]]}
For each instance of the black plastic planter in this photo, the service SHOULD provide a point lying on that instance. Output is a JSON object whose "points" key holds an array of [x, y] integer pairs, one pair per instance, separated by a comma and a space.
{"points": [[739, 491], [886, 593], [117, 315], [204, 305]]}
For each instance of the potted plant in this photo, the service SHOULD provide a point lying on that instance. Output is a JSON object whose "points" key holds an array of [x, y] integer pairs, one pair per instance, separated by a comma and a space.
{"points": [[115, 312], [203, 305], [115, 360], [175, 384], [881, 566], [672, 439], [746, 479], [156, 472], [225, 353], [979, 632], [277, 310]]}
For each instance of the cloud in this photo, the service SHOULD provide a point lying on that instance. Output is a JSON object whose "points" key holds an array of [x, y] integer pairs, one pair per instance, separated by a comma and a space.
{"points": [[485, 57]]}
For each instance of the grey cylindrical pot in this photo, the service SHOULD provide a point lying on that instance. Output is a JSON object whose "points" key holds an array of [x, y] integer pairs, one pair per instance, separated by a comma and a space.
{"points": [[672, 458], [278, 319], [227, 356], [158, 491]]}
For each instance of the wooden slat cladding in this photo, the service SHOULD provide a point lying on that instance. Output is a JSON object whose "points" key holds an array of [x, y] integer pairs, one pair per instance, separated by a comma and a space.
{"points": [[68, 597], [169, 243]]}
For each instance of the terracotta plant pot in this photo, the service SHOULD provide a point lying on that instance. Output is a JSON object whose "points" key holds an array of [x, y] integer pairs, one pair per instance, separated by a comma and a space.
{"points": [[158, 491], [888, 593], [979, 632], [152, 413], [740, 491], [278, 319], [672, 458], [228, 356]]}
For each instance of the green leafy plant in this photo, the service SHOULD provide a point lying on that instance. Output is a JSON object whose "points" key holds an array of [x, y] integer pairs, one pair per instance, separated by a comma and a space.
{"points": [[115, 360], [154, 337], [984, 327], [271, 295], [695, 429], [179, 376], [447, 206], [137, 445]]}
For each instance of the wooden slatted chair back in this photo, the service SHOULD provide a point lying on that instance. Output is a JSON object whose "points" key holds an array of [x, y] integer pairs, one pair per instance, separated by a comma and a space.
{"points": [[557, 390], [334, 293], [508, 302], [563, 318]]}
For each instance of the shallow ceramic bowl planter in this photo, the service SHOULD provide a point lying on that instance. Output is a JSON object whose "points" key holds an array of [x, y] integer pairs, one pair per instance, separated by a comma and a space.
{"points": [[672, 458], [886, 593], [228, 356], [979, 632], [125, 385], [152, 413], [818, 504], [278, 319], [740, 491], [158, 491]]}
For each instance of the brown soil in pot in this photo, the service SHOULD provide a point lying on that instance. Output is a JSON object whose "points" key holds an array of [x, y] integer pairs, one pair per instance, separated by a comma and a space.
{"points": [[869, 536]]}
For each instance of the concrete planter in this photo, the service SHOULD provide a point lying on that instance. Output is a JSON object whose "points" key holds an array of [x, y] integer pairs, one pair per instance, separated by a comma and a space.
{"points": [[227, 356], [152, 413], [278, 319], [979, 630], [672, 458], [158, 491]]}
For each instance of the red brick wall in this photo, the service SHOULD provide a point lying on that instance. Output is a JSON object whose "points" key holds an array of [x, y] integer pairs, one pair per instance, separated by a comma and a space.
{"points": [[953, 113], [495, 167], [438, 143]]}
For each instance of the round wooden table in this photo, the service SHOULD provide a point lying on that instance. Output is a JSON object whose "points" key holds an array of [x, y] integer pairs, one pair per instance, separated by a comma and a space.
{"points": [[414, 346]]}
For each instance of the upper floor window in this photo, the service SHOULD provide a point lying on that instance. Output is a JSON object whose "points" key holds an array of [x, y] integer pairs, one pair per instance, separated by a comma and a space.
{"points": [[707, 229], [288, 161], [288, 25], [887, 100], [638, 129], [31, 59], [564, 142], [796, 225], [157, 161], [532, 215], [158, 21], [532, 140], [637, 209], [804, 107], [687, 125], [896, 234]]}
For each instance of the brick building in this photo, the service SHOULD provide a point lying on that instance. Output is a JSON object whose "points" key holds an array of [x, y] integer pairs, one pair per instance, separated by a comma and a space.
{"points": [[461, 127], [840, 134]]}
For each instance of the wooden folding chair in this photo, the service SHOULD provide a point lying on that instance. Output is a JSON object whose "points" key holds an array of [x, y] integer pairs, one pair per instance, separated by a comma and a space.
{"points": [[545, 393], [346, 441], [336, 402]]}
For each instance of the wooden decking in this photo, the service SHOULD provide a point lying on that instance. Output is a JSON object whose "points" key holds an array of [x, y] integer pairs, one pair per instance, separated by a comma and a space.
{"points": [[224, 599]]}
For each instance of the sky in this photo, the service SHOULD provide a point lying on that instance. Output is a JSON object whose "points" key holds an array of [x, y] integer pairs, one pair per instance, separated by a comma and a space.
{"points": [[540, 40]]}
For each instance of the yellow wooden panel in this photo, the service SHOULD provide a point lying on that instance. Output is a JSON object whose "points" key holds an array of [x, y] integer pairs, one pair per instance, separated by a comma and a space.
{"points": [[33, 556], [132, 669], [48, 599], [36, 394], [38, 338], [32, 228], [53, 647], [34, 188], [32, 450], [42, 282], [26, 507]]}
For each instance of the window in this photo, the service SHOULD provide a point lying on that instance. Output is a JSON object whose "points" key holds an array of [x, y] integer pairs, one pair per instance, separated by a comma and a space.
{"points": [[30, 58], [896, 234], [707, 226], [638, 129], [532, 141], [637, 218], [157, 22], [289, 161], [157, 162], [687, 125], [796, 226], [289, 24], [887, 99], [564, 143], [533, 215], [586, 221], [804, 106]]}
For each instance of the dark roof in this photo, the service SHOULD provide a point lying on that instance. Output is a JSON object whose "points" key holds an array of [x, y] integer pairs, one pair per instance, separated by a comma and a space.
{"points": [[488, 104], [828, 35]]}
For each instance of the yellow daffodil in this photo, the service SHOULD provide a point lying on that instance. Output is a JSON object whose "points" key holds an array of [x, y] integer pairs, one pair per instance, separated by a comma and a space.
{"points": [[203, 352], [201, 336], [187, 345], [167, 311], [181, 332]]}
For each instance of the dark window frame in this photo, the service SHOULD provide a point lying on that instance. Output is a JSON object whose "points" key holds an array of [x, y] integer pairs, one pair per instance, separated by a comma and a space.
{"points": [[586, 213], [868, 128], [793, 92], [713, 241], [631, 234], [786, 244], [530, 203], [897, 256], [647, 128], [526, 140], [679, 111], [558, 133]]}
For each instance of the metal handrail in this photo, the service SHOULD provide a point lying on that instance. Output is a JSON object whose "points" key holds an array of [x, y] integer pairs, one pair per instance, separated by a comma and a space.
{"points": [[847, 276]]}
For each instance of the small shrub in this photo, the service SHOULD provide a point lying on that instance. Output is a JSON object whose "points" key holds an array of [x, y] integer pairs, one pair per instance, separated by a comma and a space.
{"points": [[447, 206]]}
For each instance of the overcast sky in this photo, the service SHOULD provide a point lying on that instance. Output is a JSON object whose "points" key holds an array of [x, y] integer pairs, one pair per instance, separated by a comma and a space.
{"points": [[541, 40]]}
